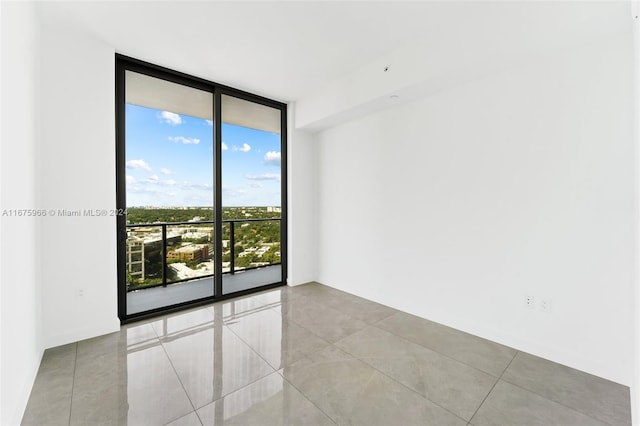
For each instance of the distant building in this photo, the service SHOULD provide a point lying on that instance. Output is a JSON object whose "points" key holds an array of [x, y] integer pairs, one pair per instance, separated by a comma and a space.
{"points": [[146, 246], [135, 257], [197, 233], [197, 252]]}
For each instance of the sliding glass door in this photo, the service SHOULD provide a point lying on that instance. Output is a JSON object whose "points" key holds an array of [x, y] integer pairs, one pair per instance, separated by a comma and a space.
{"points": [[200, 177], [251, 196]]}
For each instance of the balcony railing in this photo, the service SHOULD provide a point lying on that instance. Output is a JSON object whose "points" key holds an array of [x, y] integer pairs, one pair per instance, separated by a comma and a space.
{"points": [[149, 248]]}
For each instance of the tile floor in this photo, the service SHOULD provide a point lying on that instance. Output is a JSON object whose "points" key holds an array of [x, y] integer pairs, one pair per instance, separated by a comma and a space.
{"points": [[310, 355]]}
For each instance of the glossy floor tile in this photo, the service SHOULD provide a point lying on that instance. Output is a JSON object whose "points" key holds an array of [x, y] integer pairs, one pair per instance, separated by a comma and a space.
{"points": [[269, 401], [447, 382], [357, 307], [309, 355], [50, 400], [328, 323], [480, 353], [278, 341], [213, 363], [126, 378], [352, 392], [599, 398], [190, 419], [511, 405]]}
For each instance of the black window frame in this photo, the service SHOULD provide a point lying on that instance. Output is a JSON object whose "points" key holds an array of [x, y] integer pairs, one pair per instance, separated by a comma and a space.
{"points": [[125, 63]]}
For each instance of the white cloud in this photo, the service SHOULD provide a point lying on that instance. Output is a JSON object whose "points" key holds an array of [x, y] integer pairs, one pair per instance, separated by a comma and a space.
{"points": [[171, 118], [152, 179], [165, 171], [272, 158], [209, 122], [186, 141], [244, 148], [266, 176], [256, 185], [187, 184], [231, 192], [130, 180], [224, 146], [169, 182], [144, 190], [138, 164]]}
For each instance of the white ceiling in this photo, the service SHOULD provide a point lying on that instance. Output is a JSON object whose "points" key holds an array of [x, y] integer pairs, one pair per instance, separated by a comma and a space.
{"points": [[151, 92], [286, 50]]}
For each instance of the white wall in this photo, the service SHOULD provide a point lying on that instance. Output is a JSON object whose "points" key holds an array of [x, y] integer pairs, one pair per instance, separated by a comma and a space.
{"points": [[77, 172], [302, 251], [456, 206], [20, 340]]}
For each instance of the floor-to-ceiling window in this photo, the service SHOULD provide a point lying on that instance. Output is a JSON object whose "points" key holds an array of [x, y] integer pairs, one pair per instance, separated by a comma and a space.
{"points": [[251, 196], [200, 179]]}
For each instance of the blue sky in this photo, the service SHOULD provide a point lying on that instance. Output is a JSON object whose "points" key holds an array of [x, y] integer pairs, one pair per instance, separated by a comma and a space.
{"points": [[169, 161]]}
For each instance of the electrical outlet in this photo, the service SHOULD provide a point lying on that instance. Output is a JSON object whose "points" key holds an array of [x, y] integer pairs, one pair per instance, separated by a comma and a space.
{"points": [[545, 305], [530, 302]]}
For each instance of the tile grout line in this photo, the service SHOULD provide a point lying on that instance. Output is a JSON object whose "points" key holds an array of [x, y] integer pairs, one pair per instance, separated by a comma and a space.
{"points": [[235, 390], [400, 383], [407, 340], [342, 312], [493, 387], [252, 350], [544, 397], [73, 382], [277, 371], [174, 370], [307, 398], [559, 403], [311, 298], [445, 355], [173, 367], [211, 308], [305, 356], [349, 298], [462, 362], [305, 395], [308, 329], [198, 416]]}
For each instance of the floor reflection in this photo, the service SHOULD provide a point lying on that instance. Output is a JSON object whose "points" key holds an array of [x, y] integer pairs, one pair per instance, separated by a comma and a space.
{"points": [[309, 355]]}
